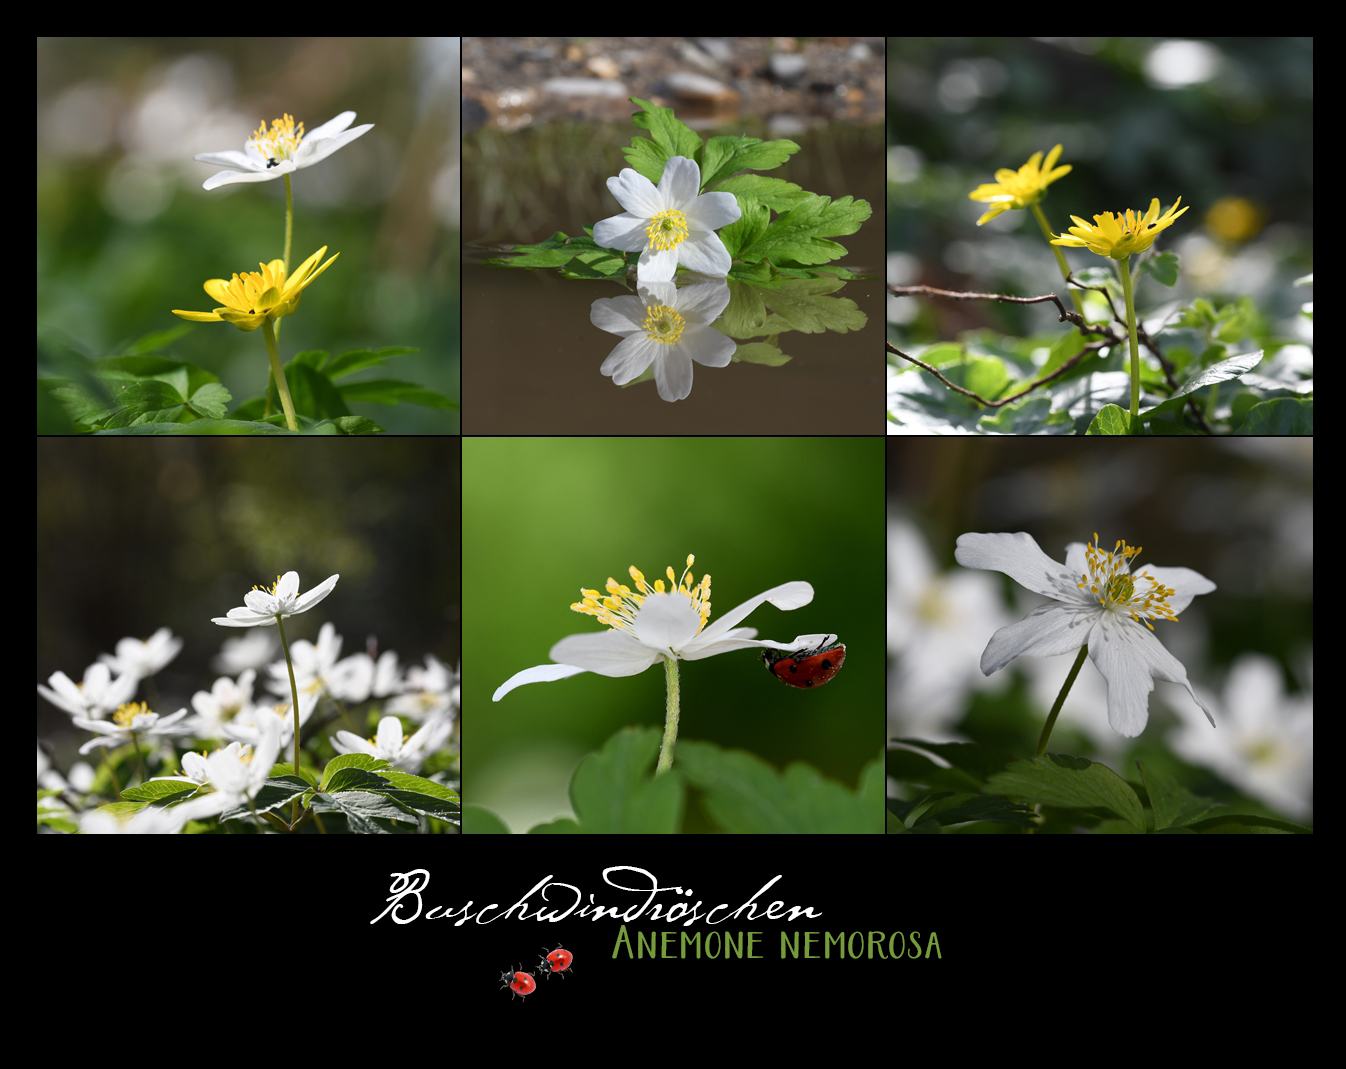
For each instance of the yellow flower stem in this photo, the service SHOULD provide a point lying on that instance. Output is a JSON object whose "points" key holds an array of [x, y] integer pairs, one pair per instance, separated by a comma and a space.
{"points": [[1135, 348], [273, 350], [670, 717], [1075, 296], [1060, 700]]}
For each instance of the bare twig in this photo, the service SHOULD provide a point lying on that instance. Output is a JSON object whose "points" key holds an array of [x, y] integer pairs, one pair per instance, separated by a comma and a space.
{"points": [[1108, 337]]}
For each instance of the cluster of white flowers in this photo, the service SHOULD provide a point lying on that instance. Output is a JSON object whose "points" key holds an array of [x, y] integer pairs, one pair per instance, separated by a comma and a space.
{"points": [[252, 729]]}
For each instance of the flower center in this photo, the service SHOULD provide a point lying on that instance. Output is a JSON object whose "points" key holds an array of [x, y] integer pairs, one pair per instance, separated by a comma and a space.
{"points": [[281, 142], [619, 609], [126, 713], [1110, 581], [662, 324], [272, 588], [667, 230]]}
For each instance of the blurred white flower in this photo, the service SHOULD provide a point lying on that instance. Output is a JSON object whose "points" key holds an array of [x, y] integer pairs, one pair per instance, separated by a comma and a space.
{"points": [[1265, 742]]}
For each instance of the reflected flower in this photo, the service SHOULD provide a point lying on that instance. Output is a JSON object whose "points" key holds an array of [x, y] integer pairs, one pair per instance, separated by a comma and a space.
{"points": [[665, 328]]}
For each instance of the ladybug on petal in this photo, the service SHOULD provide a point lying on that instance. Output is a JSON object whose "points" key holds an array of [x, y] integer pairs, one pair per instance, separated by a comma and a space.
{"points": [[807, 667]]}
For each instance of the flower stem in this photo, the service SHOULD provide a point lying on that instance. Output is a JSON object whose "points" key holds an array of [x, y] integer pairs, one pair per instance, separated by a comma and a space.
{"points": [[274, 352], [670, 717], [1075, 296], [294, 694], [1135, 349], [1060, 700]]}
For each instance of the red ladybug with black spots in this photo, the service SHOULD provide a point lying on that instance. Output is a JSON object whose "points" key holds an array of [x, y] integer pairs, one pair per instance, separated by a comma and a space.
{"points": [[521, 983], [558, 961], [808, 667]]}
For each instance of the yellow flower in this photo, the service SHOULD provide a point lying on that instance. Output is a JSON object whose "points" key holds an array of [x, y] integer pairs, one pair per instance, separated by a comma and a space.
{"points": [[1119, 236], [1019, 189], [250, 299]]}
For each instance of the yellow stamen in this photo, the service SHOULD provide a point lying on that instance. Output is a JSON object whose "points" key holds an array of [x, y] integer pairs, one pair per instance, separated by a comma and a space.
{"points": [[663, 324], [667, 229]]}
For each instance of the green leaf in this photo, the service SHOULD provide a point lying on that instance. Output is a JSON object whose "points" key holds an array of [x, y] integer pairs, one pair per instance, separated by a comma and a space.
{"points": [[800, 235], [745, 794], [1173, 804], [1162, 267], [776, 193], [725, 155], [1110, 420], [1070, 782], [1284, 415], [615, 789], [211, 401], [671, 137]]}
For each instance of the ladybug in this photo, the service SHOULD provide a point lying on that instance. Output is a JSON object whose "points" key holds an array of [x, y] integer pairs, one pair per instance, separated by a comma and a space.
{"points": [[557, 961], [807, 667], [521, 983]]}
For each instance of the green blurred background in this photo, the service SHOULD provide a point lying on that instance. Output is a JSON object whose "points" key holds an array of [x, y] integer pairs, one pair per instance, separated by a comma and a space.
{"points": [[125, 233], [544, 517]]}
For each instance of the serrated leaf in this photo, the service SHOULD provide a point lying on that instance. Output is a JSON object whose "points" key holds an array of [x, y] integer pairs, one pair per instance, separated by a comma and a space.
{"points": [[669, 136], [1110, 420], [725, 155], [1283, 415], [801, 234], [1221, 372]]}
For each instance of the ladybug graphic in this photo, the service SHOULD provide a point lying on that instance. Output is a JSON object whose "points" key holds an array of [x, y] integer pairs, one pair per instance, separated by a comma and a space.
{"points": [[808, 667], [558, 961], [521, 983]]}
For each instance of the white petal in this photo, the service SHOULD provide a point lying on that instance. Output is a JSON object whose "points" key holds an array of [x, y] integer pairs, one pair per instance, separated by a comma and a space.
{"points": [[707, 346], [316, 595], [792, 595], [714, 210], [331, 127], [618, 315], [543, 673], [701, 302], [609, 653], [636, 194], [625, 232], [630, 359], [1019, 557], [673, 373], [666, 622], [680, 183], [705, 253], [1045, 632], [1131, 659], [1186, 584], [657, 265]]}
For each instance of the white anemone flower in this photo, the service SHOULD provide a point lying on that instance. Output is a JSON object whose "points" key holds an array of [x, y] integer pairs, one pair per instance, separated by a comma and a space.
{"points": [[1099, 603], [129, 721], [652, 622], [261, 607], [280, 150], [669, 224], [667, 328]]}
